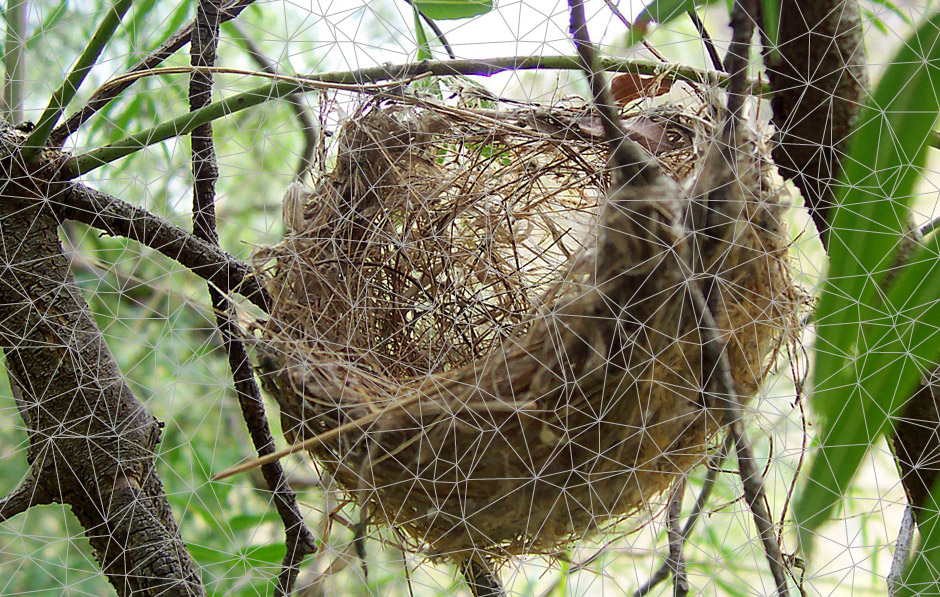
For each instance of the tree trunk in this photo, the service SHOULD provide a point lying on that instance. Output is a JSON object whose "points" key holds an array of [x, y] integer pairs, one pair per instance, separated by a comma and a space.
{"points": [[91, 441]]}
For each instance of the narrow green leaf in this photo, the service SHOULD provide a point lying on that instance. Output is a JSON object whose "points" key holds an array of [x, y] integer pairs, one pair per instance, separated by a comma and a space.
{"points": [[453, 9], [663, 11], [64, 94], [868, 345], [137, 23], [52, 19], [770, 12], [424, 47]]}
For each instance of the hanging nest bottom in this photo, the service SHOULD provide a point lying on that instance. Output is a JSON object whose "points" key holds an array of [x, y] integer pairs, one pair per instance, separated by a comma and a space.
{"points": [[494, 358]]}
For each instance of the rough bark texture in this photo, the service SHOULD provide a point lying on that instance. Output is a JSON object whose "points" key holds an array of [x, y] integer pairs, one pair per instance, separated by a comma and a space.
{"points": [[819, 80], [91, 441], [917, 446]]}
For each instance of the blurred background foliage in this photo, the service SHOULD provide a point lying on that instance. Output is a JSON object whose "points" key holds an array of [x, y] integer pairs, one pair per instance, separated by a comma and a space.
{"points": [[158, 322]]}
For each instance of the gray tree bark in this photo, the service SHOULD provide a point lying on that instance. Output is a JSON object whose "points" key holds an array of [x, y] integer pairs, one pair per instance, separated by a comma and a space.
{"points": [[91, 442]]}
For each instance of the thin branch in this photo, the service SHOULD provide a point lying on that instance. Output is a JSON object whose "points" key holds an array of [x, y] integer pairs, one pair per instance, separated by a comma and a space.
{"points": [[902, 551], [481, 580], [676, 561], [738, 60], [929, 227], [706, 39], [359, 80], [64, 94], [714, 468], [714, 356], [299, 540], [119, 218], [166, 49], [626, 156], [308, 127]]}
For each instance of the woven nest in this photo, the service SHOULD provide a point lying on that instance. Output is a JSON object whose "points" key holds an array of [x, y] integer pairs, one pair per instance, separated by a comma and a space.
{"points": [[493, 356]]}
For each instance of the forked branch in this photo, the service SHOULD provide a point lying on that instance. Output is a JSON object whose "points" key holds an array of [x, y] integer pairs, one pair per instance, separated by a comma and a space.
{"points": [[299, 540]]}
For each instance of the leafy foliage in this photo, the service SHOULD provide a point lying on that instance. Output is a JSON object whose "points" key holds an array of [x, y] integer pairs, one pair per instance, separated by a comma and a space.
{"points": [[873, 343]]}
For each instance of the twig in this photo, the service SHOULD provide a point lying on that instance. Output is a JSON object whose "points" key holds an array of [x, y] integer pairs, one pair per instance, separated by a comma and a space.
{"points": [[623, 19], [355, 80], [676, 540], [437, 31], [166, 49], [299, 540], [308, 127], [119, 218], [481, 580], [714, 468], [64, 94], [902, 550], [626, 156], [706, 39], [714, 355], [929, 226]]}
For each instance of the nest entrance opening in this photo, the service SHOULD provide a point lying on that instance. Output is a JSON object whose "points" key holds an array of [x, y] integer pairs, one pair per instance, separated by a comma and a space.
{"points": [[497, 348]]}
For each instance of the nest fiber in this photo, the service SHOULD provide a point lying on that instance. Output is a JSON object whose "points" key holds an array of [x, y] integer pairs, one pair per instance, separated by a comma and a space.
{"points": [[497, 352]]}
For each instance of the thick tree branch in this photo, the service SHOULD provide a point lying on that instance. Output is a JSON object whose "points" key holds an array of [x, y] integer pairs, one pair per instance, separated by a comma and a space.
{"points": [[91, 441], [26, 495], [300, 541], [819, 80]]}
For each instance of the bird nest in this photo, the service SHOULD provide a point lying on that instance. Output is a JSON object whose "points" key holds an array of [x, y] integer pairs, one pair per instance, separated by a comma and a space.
{"points": [[489, 349]]}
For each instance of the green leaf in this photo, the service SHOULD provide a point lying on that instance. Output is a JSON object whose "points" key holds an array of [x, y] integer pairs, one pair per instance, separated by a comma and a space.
{"points": [[869, 344], [241, 522], [770, 12], [453, 9], [424, 47], [271, 553], [51, 21], [663, 11]]}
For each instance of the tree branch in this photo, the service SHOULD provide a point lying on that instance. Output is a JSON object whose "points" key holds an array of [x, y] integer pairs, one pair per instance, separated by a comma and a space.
{"points": [[357, 81], [26, 495], [300, 540], [115, 217], [66, 92], [714, 467], [819, 80], [91, 441], [706, 39], [902, 550]]}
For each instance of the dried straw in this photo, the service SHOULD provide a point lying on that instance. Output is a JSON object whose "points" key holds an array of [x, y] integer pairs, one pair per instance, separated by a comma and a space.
{"points": [[496, 359]]}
